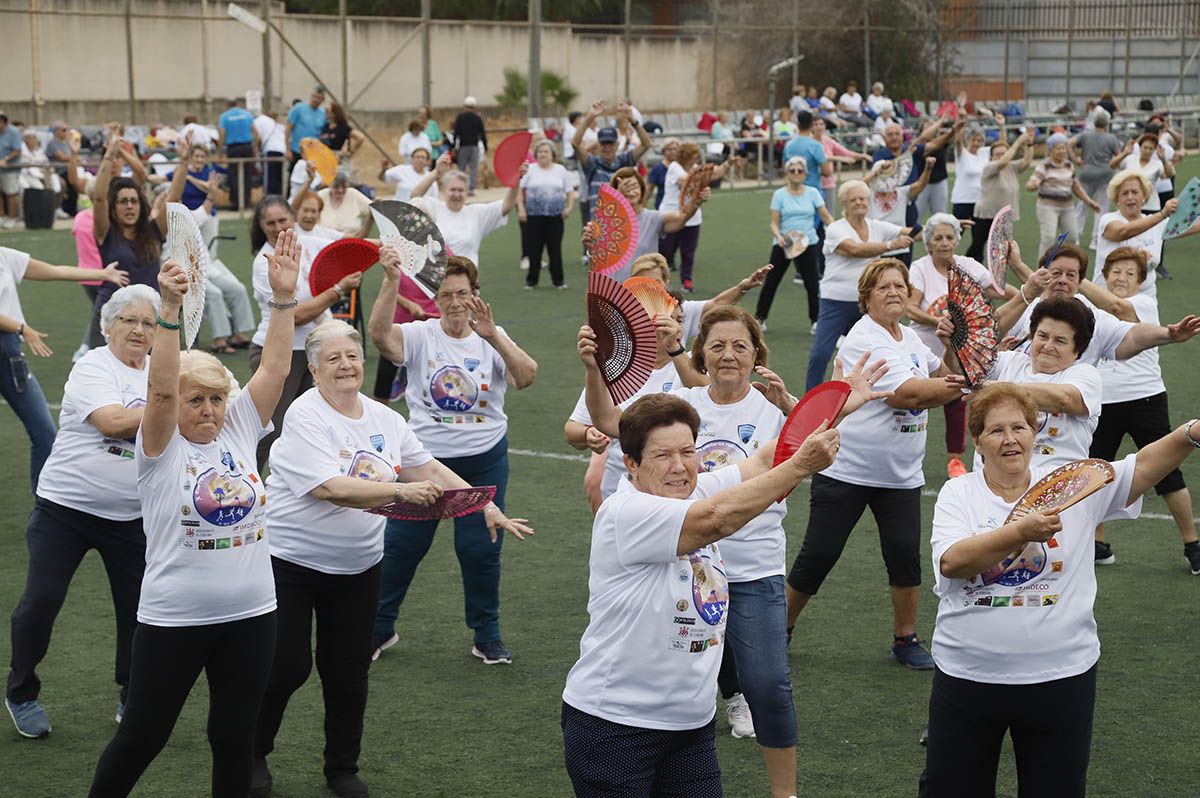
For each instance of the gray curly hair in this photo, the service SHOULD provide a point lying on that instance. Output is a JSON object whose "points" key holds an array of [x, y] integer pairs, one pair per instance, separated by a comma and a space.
{"points": [[937, 220], [123, 298]]}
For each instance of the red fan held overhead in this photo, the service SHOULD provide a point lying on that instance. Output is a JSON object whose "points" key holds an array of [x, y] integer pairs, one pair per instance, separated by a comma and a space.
{"points": [[975, 340], [453, 503], [626, 340], [822, 403], [339, 259], [510, 154], [615, 228]]}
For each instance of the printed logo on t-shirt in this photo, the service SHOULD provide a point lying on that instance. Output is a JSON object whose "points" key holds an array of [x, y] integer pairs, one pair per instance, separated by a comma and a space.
{"points": [[222, 499], [710, 590], [906, 421], [453, 390], [377, 442], [745, 432], [719, 453], [369, 466], [1026, 565]]}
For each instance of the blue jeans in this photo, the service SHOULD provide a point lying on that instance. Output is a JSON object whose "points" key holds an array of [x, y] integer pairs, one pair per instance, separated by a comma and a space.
{"points": [[406, 542], [21, 390], [834, 320], [757, 635]]}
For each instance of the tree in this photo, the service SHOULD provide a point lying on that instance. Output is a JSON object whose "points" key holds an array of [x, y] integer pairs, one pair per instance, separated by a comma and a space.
{"points": [[556, 92]]}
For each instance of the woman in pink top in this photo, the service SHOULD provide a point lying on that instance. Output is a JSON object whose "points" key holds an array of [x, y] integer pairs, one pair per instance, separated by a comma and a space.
{"points": [[87, 255], [838, 154]]}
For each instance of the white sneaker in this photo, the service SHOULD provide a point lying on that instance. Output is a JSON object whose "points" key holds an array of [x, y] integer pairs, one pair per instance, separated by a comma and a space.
{"points": [[80, 352], [8, 224], [60, 214], [813, 330], [524, 264], [741, 724]]}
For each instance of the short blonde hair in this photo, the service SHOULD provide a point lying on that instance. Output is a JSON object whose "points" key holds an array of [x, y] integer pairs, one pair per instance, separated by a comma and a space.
{"points": [[871, 274], [204, 371], [334, 328], [851, 185], [1125, 175], [651, 261]]}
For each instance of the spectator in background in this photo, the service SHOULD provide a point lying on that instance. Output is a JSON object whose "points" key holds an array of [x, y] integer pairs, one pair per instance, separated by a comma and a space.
{"points": [[797, 104], [36, 174], [828, 108], [414, 139], [598, 169], [1093, 150], [407, 175], [236, 135], [887, 116], [10, 179], [305, 121], [657, 176], [803, 145], [877, 101], [568, 136], [1108, 103], [58, 150], [272, 142], [340, 137], [813, 99], [433, 131], [193, 132], [850, 106], [469, 135], [834, 153], [346, 209]]}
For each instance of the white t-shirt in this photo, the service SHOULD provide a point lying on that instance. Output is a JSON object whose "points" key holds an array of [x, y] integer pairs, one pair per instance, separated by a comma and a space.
{"points": [[463, 232], [546, 190], [1138, 377], [1149, 241], [652, 648], [850, 103], [298, 177], [728, 435], [349, 217], [1061, 437], [968, 174], [672, 184], [840, 282], [455, 391], [661, 380], [205, 515], [13, 264], [1107, 336], [200, 135], [317, 444], [270, 134], [693, 309], [883, 446], [86, 470], [1153, 172], [406, 179], [261, 283], [1167, 146], [877, 102], [934, 288], [1032, 622], [326, 233], [410, 142]]}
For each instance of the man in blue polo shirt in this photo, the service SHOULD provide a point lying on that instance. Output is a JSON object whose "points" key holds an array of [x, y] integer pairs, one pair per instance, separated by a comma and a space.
{"points": [[237, 137], [304, 121], [803, 145]]}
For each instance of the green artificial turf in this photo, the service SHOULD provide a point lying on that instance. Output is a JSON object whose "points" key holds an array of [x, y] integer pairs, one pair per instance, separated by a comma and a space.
{"points": [[440, 723]]}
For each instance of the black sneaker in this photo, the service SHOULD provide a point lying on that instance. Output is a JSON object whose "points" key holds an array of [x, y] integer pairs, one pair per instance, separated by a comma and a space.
{"points": [[1104, 554], [1192, 552], [492, 652], [348, 785], [260, 779]]}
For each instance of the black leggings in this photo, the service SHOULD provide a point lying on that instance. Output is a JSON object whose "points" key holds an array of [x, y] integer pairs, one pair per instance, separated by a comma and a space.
{"points": [[538, 233], [807, 266], [167, 660], [1145, 420], [835, 508], [979, 236], [345, 608], [385, 375]]}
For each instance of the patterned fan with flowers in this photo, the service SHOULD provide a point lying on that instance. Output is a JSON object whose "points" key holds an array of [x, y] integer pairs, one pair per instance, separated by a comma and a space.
{"points": [[696, 181], [889, 178], [453, 503], [999, 237], [614, 231], [975, 340], [416, 237], [626, 339], [185, 245]]}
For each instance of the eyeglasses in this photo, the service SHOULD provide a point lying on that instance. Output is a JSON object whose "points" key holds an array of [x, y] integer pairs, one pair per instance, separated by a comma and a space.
{"points": [[462, 296], [128, 201], [131, 321]]}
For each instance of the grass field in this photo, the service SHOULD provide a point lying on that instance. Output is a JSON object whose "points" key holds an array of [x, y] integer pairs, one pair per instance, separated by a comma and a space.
{"points": [[440, 724]]}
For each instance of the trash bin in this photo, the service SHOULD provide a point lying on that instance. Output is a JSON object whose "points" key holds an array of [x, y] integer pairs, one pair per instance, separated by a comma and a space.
{"points": [[38, 206]]}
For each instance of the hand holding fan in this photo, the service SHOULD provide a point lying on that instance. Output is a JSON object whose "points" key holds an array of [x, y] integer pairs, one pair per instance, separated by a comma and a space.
{"points": [[339, 259], [417, 239], [890, 177], [509, 156], [651, 294], [453, 503], [689, 192], [615, 231], [975, 340], [626, 338], [1188, 211], [323, 159], [797, 243], [999, 237], [185, 245], [822, 403]]}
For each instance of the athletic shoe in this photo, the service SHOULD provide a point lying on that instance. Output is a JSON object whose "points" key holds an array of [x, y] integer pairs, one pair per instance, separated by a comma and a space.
{"points": [[798, 280], [1162, 272], [80, 352], [529, 287], [524, 264], [260, 779], [348, 785], [120, 711], [562, 287], [1192, 552], [955, 468], [687, 286], [383, 645], [762, 325], [909, 652], [924, 738], [741, 723], [1104, 554], [7, 223], [29, 718], [492, 652], [813, 330]]}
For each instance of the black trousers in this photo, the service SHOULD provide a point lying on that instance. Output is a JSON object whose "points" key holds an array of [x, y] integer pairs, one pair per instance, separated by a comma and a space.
{"points": [[543, 233], [1145, 420], [385, 375], [273, 177], [1050, 724], [808, 266], [979, 237], [345, 610], [239, 174], [167, 661], [834, 509], [58, 537]]}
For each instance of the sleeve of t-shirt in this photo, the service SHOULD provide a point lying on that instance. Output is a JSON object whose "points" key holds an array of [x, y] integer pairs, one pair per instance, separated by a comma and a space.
{"points": [[693, 309], [488, 216], [777, 201], [648, 528], [951, 523], [1110, 501], [1110, 332], [499, 367], [412, 452], [393, 175], [978, 272], [414, 341], [580, 414], [90, 386], [1086, 378], [14, 261], [835, 234], [898, 364], [302, 455], [916, 276], [885, 230], [818, 201], [1039, 171], [292, 116], [565, 176], [1005, 366], [259, 279]]}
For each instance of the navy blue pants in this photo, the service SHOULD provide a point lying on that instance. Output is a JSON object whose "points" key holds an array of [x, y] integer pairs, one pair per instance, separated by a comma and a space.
{"points": [[24, 395]]}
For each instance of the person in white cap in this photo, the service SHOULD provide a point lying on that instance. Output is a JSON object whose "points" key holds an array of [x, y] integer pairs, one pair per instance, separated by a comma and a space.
{"points": [[469, 136]]}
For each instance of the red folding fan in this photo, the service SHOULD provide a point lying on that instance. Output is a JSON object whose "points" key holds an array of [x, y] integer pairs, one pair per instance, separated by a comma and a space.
{"points": [[975, 340], [510, 154], [822, 403], [338, 259], [626, 340], [453, 503], [615, 227]]}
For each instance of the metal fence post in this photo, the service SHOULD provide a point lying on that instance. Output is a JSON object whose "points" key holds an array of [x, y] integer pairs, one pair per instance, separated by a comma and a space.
{"points": [[535, 59], [628, 11], [426, 69], [1070, 41]]}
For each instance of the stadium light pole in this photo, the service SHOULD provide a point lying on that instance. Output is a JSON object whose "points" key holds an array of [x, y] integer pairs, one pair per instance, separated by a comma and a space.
{"points": [[773, 78]]}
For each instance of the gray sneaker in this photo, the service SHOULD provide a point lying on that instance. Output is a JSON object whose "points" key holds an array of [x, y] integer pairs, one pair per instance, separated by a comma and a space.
{"points": [[493, 652], [29, 718]]}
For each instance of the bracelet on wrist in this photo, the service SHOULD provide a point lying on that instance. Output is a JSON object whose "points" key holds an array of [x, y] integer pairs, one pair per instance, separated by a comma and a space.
{"points": [[1022, 293], [396, 495], [271, 303], [340, 291], [169, 325], [1187, 433], [21, 329], [677, 352]]}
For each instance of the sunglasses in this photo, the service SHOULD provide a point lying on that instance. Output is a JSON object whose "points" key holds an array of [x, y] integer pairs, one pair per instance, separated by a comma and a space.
{"points": [[797, 170]]}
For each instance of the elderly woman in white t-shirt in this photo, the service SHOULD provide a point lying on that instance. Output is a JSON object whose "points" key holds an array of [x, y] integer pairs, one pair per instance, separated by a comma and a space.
{"points": [[339, 453], [850, 244], [460, 368], [1015, 642], [208, 598], [880, 466], [273, 215], [930, 291], [407, 175], [638, 705], [87, 499]]}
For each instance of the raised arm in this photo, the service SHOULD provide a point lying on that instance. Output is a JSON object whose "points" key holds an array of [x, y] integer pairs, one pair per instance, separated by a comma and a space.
{"points": [[160, 420], [520, 368], [921, 182], [1107, 301], [1143, 336], [387, 336], [605, 415], [100, 189], [283, 269], [306, 187], [440, 168], [44, 272], [873, 249], [510, 198], [1120, 230], [644, 142], [734, 293], [597, 108], [674, 221], [1156, 460]]}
